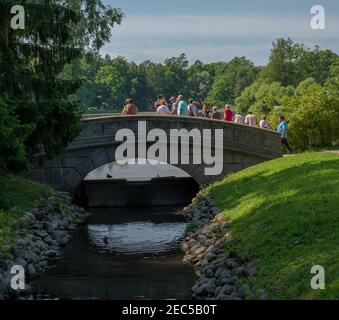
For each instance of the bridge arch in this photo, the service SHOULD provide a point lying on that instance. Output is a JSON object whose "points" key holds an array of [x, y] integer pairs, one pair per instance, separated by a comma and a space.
{"points": [[96, 146]]}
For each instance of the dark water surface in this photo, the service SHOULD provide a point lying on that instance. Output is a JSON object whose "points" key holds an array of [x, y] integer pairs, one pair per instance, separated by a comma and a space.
{"points": [[122, 253]]}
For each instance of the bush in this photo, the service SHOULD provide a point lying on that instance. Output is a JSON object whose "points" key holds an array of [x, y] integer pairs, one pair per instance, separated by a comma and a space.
{"points": [[12, 139], [312, 114]]}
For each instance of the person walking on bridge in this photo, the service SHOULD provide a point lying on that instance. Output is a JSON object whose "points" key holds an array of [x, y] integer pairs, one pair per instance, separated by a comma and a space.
{"points": [[206, 110], [283, 130], [157, 103], [130, 108], [264, 124], [238, 118], [215, 114], [251, 119], [182, 110], [228, 113], [192, 108], [163, 109]]}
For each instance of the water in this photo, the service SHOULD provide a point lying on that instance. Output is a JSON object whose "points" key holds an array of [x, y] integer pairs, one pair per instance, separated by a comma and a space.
{"points": [[122, 254]]}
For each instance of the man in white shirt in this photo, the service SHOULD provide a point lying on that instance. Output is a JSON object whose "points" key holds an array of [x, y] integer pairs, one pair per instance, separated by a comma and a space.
{"points": [[264, 123], [238, 118], [163, 109], [251, 119]]}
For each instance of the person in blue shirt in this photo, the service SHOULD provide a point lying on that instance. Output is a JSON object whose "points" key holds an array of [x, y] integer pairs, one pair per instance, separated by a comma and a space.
{"points": [[283, 130], [182, 108]]}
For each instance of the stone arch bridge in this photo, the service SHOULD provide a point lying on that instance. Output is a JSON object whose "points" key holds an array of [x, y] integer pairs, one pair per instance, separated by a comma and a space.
{"points": [[242, 146]]}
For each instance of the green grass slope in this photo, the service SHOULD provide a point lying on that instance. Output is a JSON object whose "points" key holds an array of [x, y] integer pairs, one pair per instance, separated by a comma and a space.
{"points": [[17, 195], [286, 214]]}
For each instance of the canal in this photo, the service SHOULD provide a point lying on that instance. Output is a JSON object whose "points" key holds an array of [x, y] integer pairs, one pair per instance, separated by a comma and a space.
{"points": [[128, 252]]}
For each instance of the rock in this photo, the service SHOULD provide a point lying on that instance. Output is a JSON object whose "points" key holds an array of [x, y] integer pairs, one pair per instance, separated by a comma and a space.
{"points": [[21, 262], [202, 290], [239, 271], [64, 241], [209, 273], [220, 217], [199, 251], [223, 281], [235, 296], [222, 273], [211, 257], [184, 246], [211, 285], [32, 271], [195, 247], [231, 264], [225, 290], [40, 233], [188, 258], [48, 240], [51, 254]]}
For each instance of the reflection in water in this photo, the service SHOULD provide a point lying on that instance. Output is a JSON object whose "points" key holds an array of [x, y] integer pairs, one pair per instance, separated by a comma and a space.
{"points": [[136, 237], [122, 254]]}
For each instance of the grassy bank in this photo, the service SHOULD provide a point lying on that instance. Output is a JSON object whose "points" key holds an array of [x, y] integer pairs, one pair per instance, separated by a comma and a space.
{"points": [[17, 195], [286, 214]]}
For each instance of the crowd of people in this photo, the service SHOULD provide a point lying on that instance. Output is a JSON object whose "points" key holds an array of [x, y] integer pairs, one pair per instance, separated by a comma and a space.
{"points": [[178, 106]]}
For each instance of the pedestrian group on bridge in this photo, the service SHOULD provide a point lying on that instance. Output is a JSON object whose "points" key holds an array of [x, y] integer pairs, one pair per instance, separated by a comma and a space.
{"points": [[178, 106]]}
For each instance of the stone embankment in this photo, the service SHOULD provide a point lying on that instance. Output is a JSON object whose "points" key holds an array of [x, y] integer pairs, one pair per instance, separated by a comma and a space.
{"points": [[43, 233], [223, 273]]}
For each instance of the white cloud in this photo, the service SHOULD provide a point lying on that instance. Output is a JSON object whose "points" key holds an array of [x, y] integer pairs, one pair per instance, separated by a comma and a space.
{"points": [[211, 37]]}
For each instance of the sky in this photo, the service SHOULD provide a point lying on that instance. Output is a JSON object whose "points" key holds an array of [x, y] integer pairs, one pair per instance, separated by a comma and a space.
{"points": [[217, 30]]}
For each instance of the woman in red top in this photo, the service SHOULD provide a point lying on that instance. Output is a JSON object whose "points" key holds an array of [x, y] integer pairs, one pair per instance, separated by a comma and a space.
{"points": [[228, 114]]}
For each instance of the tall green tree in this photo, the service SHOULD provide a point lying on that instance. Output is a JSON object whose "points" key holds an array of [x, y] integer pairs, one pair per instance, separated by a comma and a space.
{"points": [[291, 62], [175, 75], [32, 59]]}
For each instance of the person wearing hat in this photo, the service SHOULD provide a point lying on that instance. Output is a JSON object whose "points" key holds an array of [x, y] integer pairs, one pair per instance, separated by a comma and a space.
{"points": [[173, 104], [215, 114]]}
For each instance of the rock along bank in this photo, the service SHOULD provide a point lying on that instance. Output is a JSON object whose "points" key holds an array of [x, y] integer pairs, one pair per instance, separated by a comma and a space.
{"points": [[44, 232], [223, 273]]}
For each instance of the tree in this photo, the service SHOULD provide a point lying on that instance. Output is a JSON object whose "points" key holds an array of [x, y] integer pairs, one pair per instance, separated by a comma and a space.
{"points": [[199, 80], [12, 139], [316, 64], [291, 62], [175, 75], [282, 64], [32, 59], [332, 82], [261, 97], [238, 74]]}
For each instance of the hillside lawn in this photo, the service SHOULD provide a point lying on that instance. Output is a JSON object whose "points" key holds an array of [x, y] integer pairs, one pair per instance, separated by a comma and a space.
{"points": [[285, 214]]}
